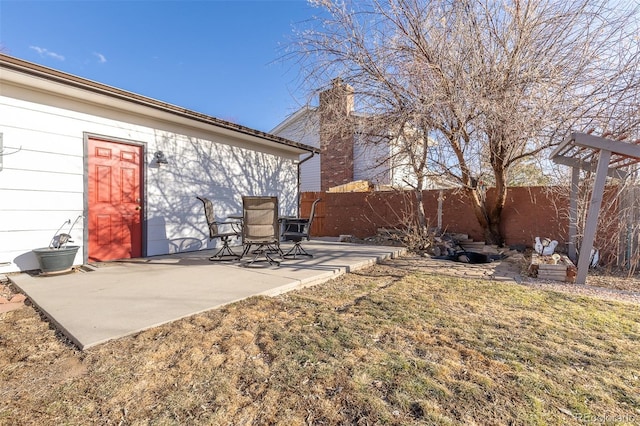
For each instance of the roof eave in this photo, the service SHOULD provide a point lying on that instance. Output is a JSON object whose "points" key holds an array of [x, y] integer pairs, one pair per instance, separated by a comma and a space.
{"points": [[40, 71]]}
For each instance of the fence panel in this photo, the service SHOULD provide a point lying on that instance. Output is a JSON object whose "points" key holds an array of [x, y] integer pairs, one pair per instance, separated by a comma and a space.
{"points": [[629, 256], [307, 199], [529, 212]]}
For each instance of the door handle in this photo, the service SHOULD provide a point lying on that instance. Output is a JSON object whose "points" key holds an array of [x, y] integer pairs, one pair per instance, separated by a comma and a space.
{"points": [[138, 208]]}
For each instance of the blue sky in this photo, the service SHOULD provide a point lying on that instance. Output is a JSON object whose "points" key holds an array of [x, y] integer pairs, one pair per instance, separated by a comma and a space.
{"points": [[216, 57]]}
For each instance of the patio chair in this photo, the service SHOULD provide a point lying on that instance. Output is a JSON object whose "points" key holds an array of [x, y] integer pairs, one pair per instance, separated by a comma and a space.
{"points": [[233, 229], [260, 228], [297, 230]]}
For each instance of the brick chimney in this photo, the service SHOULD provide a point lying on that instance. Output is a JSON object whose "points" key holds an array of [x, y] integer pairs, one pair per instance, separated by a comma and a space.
{"points": [[336, 135]]}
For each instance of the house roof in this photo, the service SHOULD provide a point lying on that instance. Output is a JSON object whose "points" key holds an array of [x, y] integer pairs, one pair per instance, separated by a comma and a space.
{"points": [[25, 68], [302, 113], [297, 115]]}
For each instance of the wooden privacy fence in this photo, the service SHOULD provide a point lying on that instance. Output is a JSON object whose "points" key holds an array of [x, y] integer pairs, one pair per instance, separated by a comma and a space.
{"points": [[307, 199], [529, 212], [629, 241]]}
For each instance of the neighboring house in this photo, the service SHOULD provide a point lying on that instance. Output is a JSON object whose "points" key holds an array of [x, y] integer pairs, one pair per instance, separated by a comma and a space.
{"points": [[74, 148], [346, 156]]}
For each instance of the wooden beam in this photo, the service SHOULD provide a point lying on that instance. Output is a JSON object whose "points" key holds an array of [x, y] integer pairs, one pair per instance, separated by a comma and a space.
{"points": [[564, 144], [588, 166], [591, 224], [618, 147]]}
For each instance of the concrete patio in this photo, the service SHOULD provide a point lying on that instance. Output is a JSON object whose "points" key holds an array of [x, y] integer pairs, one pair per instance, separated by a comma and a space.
{"points": [[121, 298]]}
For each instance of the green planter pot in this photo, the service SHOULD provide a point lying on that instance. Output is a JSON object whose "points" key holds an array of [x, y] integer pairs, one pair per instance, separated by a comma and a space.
{"points": [[56, 260]]}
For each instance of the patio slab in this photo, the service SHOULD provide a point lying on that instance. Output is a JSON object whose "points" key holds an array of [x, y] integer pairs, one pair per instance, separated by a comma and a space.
{"points": [[121, 298]]}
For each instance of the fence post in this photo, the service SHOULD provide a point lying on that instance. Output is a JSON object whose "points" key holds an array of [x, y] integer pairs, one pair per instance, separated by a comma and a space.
{"points": [[440, 199]]}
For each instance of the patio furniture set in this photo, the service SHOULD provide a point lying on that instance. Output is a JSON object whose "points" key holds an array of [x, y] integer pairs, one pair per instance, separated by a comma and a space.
{"points": [[261, 229]]}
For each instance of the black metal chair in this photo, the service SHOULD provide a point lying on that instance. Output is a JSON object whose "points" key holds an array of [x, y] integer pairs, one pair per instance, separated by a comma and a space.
{"points": [[260, 227], [297, 230], [232, 229]]}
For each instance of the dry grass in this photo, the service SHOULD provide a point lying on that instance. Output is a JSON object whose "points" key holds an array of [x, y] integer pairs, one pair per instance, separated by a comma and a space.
{"points": [[382, 346]]}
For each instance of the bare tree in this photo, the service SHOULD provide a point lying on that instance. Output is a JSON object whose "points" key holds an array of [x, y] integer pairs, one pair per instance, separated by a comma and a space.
{"points": [[493, 83]]}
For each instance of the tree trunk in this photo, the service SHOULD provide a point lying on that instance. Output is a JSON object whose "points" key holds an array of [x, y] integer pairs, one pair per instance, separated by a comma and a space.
{"points": [[493, 234], [422, 220], [489, 216]]}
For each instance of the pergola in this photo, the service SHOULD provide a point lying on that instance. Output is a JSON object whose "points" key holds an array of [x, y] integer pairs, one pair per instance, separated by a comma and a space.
{"points": [[605, 157]]}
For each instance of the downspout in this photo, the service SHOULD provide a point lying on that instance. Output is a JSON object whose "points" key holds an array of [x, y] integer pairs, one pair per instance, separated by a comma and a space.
{"points": [[299, 173]]}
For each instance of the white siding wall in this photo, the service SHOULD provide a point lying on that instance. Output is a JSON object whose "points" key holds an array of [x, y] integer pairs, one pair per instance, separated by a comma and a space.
{"points": [[370, 162], [403, 174], [304, 127], [43, 183], [310, 175]]}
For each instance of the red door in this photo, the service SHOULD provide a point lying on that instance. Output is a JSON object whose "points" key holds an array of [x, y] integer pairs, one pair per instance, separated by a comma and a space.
{"points": [[115, 200]]}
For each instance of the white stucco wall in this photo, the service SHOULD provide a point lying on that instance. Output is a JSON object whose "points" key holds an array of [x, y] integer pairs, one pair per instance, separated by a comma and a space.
{"points": [[43, 184]]}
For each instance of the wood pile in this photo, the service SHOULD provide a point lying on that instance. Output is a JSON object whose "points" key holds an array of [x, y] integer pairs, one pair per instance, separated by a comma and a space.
{"points": [[448, 244], [470, 245], [557, 267], [355, 186]]}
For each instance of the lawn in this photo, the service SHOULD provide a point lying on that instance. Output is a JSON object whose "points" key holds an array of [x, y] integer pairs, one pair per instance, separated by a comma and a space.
{"points": [[384, 345]]}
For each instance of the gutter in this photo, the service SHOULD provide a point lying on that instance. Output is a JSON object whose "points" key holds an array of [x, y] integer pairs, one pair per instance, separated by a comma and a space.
{"points": [[298, 166]]}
